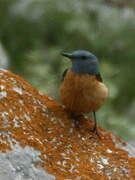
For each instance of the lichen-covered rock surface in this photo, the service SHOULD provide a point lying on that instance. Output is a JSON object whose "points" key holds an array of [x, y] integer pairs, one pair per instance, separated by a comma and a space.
{"points": [[38, 140]]}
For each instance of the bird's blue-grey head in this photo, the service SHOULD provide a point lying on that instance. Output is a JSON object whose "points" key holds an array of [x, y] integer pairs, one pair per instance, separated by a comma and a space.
{"points": [[83, 62]]}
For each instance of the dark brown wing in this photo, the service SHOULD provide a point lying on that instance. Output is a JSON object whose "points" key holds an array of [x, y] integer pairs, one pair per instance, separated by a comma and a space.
{"points": [[99, 78], [64, 74]]}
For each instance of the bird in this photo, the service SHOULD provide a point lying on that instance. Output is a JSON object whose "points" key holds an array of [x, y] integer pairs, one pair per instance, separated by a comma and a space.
{"points": [[82, 90]]}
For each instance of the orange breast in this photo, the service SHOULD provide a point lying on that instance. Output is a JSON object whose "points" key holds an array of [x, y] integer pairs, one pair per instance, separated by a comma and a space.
{"points": [[82, 93]]}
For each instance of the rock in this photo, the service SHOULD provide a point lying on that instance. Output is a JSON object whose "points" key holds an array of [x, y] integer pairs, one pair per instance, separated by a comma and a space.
{"points": [[19, 163], [38, 140]]}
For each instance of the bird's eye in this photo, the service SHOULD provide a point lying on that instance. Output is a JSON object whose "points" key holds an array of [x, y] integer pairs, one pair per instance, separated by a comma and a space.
{"points": [[83, 57]]}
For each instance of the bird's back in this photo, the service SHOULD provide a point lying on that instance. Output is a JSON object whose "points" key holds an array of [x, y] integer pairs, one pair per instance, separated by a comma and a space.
{"points": [[82, 93]]}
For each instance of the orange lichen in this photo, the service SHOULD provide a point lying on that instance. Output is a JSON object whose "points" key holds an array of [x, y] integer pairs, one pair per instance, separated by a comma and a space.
{"points": [[29, 118]]}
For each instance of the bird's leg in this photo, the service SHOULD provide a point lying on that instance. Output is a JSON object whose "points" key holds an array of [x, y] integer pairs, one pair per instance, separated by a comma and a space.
{"points": [[76, 119], [94, 129]]}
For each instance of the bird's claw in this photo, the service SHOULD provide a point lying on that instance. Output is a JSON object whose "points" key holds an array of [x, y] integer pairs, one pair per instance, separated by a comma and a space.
{"points": [[95, 131], [76, 119]]}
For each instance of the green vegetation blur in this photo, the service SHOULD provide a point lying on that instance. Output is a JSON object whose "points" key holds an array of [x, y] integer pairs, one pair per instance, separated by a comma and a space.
{"points": [[34, 33]]}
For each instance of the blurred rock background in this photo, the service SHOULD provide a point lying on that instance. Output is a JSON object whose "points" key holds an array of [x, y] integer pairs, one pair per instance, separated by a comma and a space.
{"points": [[34, 33]]}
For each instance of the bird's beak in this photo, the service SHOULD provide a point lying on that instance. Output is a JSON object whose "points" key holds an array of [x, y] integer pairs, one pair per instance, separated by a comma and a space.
{"points": [[69, 55]]}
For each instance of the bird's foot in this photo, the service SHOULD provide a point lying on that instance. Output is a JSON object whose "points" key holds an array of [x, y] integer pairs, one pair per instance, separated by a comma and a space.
{"points": [[95, 128], [76, 120], [95, 131]]}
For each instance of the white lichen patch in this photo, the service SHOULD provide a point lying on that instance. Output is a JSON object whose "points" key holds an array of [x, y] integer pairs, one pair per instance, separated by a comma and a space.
{"points": [[18, 90], [78, 178], [77, 159], [10, 110], [125, 170], [5, 123], [72, 167], [4, 116], [100, 166], [8, 138], [2, 87], [16, 122], [50, 98], [44, 109], [109, 151], [26, 117], [53, 119], [70, 130], [3, 94], [21, 101], [28, 93], [13, 80], [61, 122], [38, 141], [59, 162], [54, 140], [3, 141], [91, 160], [63, 154], [31, 137], [41, 93], [104, 160]]}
